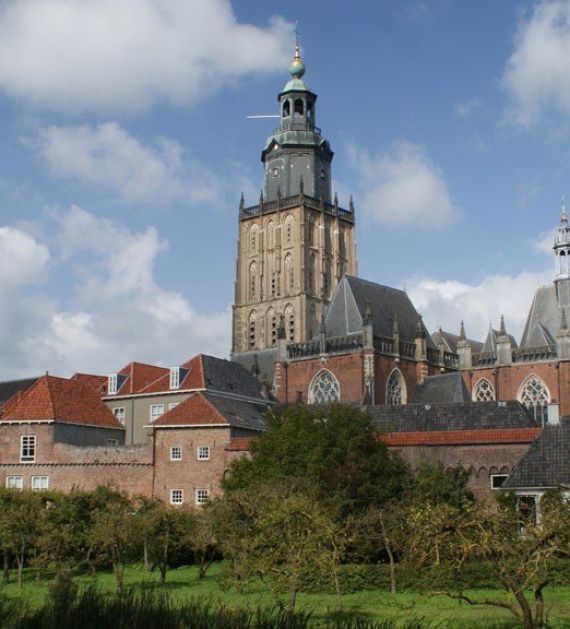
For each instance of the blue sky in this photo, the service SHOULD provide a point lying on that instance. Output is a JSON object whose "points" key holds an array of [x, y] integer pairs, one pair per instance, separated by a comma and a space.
{"points": [[125, 146]]}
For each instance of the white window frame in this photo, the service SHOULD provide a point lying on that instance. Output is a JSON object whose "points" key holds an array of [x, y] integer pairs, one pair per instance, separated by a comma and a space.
{"points": [[172, 405], [174, 377], [112, 384], [120, 413], [30, 441], [155, 416], [176, 450], [203, 453], [201, 496], [179, 493], [15, 482], [505, 476], [38, 485]]}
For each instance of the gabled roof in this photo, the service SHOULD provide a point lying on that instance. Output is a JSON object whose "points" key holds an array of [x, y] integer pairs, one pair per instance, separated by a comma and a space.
{"points": [[543, 321], [490, 344], [209, 372], [547, 463], [204, 408], [261, 362], [445, 388], [450, 341], [346, 311], [97, 382], [139, 376], [461, 416], [12, 388], [62, 400]]}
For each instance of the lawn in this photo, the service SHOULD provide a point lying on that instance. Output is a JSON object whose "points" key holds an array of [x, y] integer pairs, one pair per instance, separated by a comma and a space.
{"points": [[183, 583]]}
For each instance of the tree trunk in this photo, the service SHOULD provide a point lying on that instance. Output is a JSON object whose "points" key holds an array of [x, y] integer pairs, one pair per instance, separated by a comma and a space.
{"points": [[119, 570], [291, 607], [162, 567], [6, 566], [539, 606], [528, 622], [388, 547], [145, 557], [20, 563]]}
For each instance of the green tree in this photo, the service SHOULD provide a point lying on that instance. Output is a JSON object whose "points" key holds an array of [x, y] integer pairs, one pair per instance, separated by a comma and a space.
{"points": [[433, 483], [519, 550], [337, 448], [111, 535]]}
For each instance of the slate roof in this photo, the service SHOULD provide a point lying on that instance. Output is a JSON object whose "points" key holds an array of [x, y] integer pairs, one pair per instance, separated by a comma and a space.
{"points": [[62, 400], [261, 362], [13, 387], [547, 463], [543, 321], [450, 341], [457, 416], [347, 308], [445, 388], [490, 344], [208, 408]]}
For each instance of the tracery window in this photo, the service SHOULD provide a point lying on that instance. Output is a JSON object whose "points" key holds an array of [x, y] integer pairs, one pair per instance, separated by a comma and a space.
{"points": [[252, 281], [288, 229], [272, 327], [395, 389], [324, 388], [535, 396], [253, 237], [290, 323], [289, 278], [251, 331], [483, 391]]}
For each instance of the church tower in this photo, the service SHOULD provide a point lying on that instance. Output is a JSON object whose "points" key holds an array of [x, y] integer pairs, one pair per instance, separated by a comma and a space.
{"points": [[297, 242]]}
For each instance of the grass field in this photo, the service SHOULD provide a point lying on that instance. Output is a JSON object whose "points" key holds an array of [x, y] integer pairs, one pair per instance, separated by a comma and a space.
{"points": [[183, 583]]}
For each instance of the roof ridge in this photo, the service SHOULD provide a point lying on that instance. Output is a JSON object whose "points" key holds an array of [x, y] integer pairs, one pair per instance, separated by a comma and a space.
{"points": [[51, 394], [360, 279]]}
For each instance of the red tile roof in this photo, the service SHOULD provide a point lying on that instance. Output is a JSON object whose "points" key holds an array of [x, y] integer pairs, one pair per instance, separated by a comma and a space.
{"points": [[97, 382], [139, 376], [61, 400], [239, 444], [461, 437], [196, 410], [194, 379]]}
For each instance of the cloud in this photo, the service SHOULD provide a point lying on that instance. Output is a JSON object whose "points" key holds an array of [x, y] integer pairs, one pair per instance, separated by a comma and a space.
{"points": [[537, 74], [404, 187], [447, 303], [466, 108], [116, 312], [107, 155], [109, 54]]}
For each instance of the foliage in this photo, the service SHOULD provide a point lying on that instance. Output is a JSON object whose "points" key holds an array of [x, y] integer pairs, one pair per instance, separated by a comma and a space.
{"points": [[434, 484], [336, 448]]}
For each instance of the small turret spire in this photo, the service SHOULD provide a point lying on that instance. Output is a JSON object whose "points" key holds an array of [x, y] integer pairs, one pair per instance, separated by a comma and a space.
{"points": [[297, 68], [563, 212], [462, 334], [502, 328]]}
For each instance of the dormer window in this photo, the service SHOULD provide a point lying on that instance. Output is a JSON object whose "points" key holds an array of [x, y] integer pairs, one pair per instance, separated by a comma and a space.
{"points": [[174, 377], [112, 384]]}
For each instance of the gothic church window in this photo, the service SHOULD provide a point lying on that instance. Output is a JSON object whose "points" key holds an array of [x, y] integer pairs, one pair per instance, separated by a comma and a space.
{"points": [[272, 327], [483, 391], [251, 331], [288, 229], [289, 277], [324, 388], [270, 235], [395, 389], [290, 323], [252, 281], [535, 396], [253, 238]]}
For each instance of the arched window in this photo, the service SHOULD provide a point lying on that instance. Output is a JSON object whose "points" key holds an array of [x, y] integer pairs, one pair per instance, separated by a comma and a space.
{"points": [[253, 238], [286, 109], [290, 323], [289, 277], [299, 107], [288, 229], [324, 388], [271, 327], [395, 389], [483, 391], [535, 396], [251, 331], [252, 281]]}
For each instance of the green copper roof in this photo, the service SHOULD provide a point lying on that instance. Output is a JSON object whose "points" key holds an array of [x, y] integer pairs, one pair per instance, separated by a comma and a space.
{"points": [[296, 85]]}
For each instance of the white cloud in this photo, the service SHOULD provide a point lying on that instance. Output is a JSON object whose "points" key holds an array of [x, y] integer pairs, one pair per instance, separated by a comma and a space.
{"points": [[465, 108], [537, 75], [404, 187], [22, 259], [447, 303], [92, 54], [117, 311], [109, 156]]}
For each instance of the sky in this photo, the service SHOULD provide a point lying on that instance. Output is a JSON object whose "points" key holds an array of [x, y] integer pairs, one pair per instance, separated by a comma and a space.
{"points": [[125, 145]]}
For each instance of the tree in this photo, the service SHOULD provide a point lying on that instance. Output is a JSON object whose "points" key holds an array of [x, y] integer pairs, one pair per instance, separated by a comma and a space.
{"points": [[337, 448], [111, 535], [20, 524], [519, 550], [281, 535], [433, 483], [204, 539]]}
